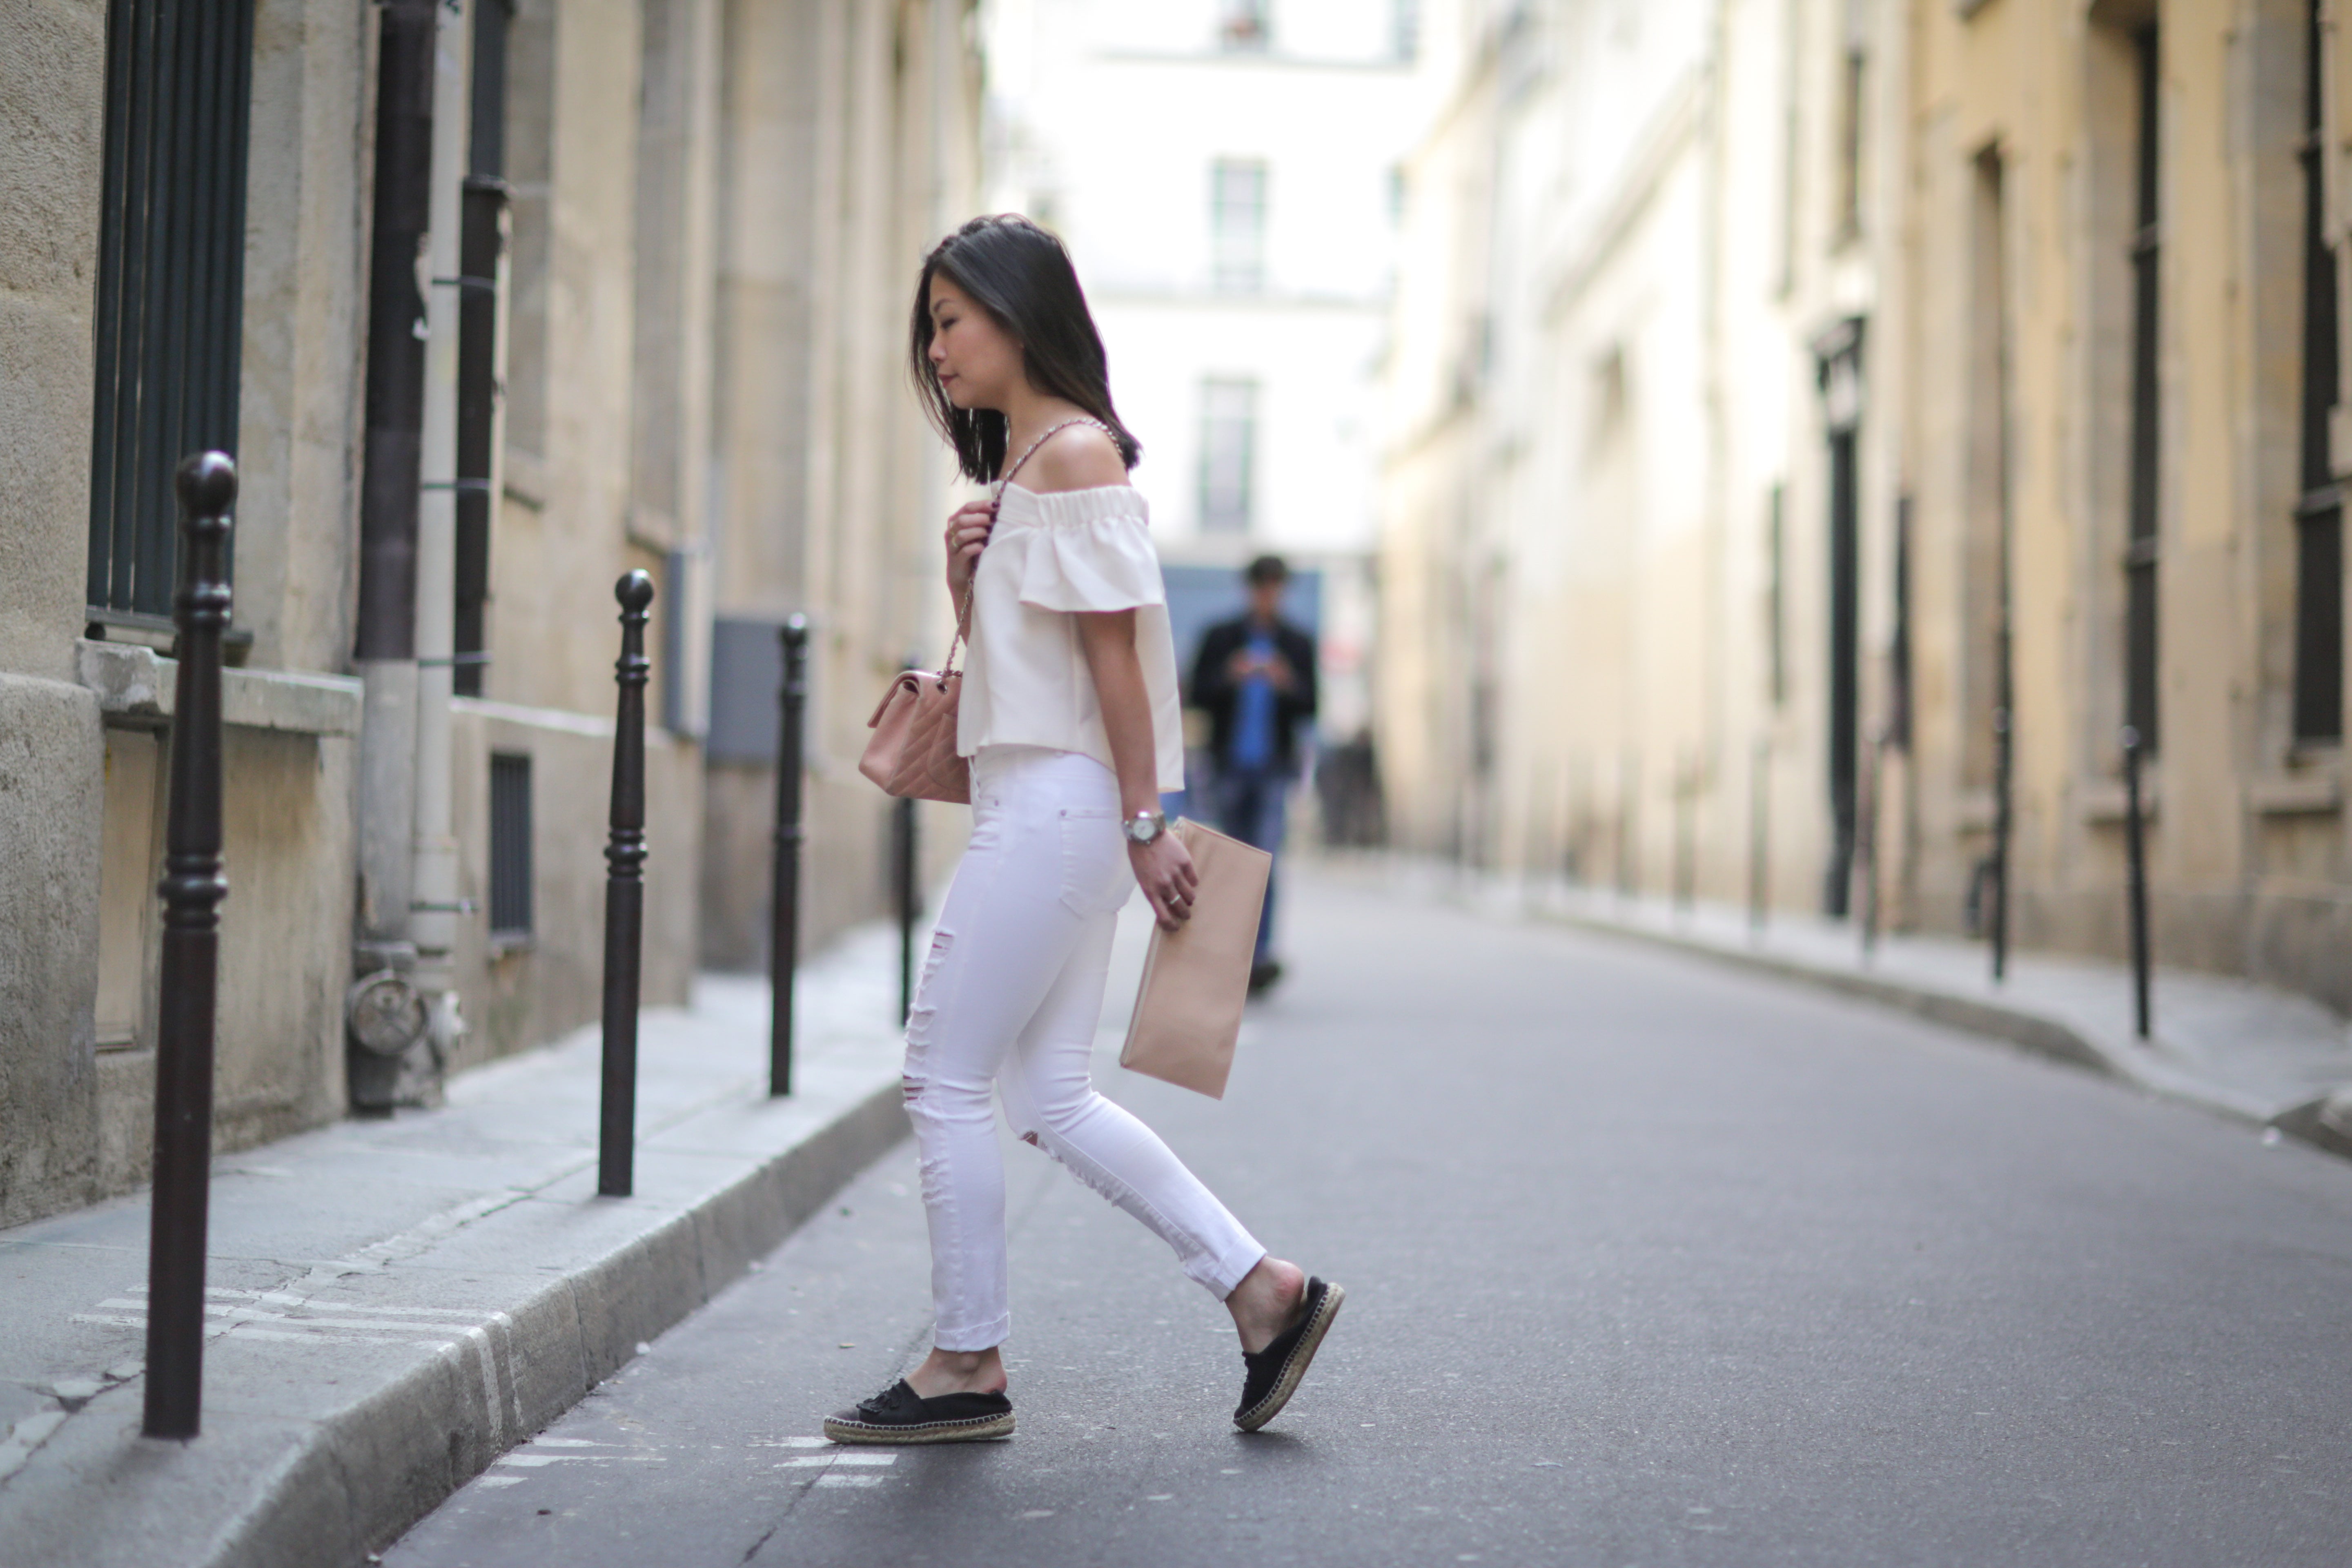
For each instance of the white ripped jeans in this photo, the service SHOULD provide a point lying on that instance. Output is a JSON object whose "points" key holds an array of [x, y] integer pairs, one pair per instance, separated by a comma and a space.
{"points": [[1009, 1000]]}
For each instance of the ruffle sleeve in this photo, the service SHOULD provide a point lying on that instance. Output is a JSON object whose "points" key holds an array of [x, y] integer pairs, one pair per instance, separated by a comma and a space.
{"points": [[1092, 553]]}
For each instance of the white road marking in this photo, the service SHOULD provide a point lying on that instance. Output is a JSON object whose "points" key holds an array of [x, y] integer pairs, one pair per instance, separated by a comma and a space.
{"points": [[534, 1461], [256, 1315], [832, 1480], [826, 1461], [254, 1331], [499, 1481], [570, 1443], [289, 1299], [307, 1320]]}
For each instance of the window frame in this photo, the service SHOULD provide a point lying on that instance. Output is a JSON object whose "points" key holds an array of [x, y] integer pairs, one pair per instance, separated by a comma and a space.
{"points": [[1240, 519]]}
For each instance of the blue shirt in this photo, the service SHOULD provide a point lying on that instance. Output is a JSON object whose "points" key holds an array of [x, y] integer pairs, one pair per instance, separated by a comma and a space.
{"points": [[1254, 712]]}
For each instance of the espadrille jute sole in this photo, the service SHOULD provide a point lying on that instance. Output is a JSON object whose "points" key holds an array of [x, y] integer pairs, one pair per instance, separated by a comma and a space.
{"points": [[970, 1431], [1294, 1368]]}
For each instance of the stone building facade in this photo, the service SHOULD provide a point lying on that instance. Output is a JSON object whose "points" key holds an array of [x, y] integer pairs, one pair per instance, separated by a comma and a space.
{"points": [[1238, 256], [700, 215], [1787, 393]]}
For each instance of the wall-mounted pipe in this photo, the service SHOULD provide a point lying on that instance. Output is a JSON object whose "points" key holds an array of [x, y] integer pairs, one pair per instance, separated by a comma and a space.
{"points": [[383, 1002]]}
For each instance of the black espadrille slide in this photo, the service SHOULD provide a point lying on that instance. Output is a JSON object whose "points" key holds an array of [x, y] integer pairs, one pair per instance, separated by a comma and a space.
{"points": [[1272, 1376], [900, 1415]]}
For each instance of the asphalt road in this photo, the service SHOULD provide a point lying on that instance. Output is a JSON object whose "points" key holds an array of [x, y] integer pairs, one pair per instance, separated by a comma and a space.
{"points": [[1648, 1263]]}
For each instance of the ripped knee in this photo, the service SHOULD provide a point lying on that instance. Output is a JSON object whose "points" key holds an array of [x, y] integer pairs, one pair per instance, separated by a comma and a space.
{"points": [[921, 1017]]}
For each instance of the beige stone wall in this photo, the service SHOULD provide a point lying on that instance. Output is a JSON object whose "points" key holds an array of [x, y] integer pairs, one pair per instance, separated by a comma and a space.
{"points": [[1620, 244], [2246, 849], [718, 205], [1580, 535], [519, 994], [52, 70], [852, 145], [1429, 510]]}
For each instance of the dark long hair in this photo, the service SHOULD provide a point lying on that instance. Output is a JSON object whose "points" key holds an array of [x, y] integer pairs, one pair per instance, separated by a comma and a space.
{"points": [[1022, 276]]}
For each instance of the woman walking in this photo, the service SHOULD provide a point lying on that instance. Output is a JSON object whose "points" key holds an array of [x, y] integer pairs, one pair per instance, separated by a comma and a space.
{"points": [[1069, 713]]}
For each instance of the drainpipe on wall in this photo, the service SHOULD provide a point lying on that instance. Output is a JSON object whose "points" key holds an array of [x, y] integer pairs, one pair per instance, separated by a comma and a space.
{"points": [[401, 1012], [385, 1014], [434, 904]]}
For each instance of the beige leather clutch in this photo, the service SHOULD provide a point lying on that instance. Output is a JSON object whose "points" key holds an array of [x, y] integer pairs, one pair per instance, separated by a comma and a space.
{"points": [[1196, 980]]}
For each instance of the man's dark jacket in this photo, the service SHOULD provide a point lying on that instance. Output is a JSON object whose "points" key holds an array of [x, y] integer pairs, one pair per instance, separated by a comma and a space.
{"points": [[1214, 689]]}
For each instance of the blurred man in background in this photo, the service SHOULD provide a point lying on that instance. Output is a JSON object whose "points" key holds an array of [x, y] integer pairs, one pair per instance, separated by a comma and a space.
{"points": [[1255, 678]]}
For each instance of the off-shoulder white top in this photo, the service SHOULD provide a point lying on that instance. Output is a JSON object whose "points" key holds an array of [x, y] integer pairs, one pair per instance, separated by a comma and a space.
{"points": [[1025, 678]]}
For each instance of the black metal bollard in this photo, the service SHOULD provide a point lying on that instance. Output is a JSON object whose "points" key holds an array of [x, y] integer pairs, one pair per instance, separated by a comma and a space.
{"points": [[2136, 854], [625, 896], [784, 894], [1685, 893], [2003, 742], [1759, 781], [1865, 858], [191, 888]]}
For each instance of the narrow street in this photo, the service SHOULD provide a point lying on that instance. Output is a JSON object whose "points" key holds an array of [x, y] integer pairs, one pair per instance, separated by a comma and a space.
{"points": [[1648, 1263]]}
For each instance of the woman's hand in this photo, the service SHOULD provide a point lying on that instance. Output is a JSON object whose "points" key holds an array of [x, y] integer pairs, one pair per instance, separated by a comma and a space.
{"points": [[967, 535], [1163, 869]]}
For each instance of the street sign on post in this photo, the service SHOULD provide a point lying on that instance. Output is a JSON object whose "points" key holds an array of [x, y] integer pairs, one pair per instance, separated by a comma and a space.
{"points": [[625, 896], [192, 890]]}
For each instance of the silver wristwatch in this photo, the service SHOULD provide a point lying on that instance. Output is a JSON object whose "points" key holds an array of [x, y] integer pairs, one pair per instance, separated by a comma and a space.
{"points": [[1145, 826]]}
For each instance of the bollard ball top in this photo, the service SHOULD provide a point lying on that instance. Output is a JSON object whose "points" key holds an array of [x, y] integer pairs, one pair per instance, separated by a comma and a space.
{"points": [[207, 483], [636, 591], [796, 628]]}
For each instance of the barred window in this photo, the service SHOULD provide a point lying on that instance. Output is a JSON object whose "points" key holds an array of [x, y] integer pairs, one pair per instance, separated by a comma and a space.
{"points": [[171, 283], [510, 858], [481, 247]]}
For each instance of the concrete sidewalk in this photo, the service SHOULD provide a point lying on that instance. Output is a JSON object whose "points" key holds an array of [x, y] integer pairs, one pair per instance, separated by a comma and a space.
{"points": [[396, 1303], [2263, 1056]]}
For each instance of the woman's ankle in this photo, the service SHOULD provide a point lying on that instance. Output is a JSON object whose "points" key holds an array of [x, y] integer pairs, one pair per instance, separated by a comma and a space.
{"points": [[958, 1371], [1265, 1301]]}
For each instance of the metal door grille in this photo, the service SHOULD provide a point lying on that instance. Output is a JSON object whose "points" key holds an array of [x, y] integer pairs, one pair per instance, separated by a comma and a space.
{"points": [[171, 280]]}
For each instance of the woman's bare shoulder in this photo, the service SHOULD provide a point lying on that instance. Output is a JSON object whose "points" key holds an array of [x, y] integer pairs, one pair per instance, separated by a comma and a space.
{"points": [[1078, 458]]}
